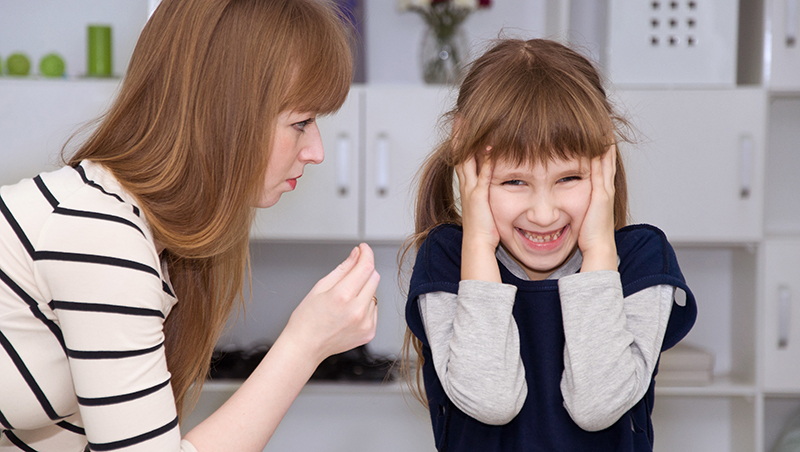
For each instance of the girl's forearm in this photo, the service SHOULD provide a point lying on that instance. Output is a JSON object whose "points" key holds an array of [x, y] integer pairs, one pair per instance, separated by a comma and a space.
{"points": [[248, 419], [478, 261]]}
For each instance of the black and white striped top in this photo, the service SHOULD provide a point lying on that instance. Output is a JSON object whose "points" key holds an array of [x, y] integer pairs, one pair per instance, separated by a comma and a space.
{"points": [[83, 298]]}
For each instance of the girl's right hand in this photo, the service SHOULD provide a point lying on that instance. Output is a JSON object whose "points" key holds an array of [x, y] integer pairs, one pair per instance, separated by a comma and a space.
{"points": [[340, 312], [480, 232], [476, 214]]}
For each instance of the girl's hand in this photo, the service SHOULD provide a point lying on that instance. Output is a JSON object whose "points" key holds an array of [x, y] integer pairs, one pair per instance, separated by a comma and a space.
{"points": [[480, 232], [476, 214], [596, 239], [339, 313]]}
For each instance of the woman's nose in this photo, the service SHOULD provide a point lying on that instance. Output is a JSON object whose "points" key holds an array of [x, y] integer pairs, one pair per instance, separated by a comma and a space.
{"points": [[312, 151]]}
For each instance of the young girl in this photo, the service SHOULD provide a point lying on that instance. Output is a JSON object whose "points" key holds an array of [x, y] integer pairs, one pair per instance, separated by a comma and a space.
{"points": [[538, 319]]}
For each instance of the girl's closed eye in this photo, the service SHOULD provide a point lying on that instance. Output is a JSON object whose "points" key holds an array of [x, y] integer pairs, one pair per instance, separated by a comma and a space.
{"points": [[571, 178], [513, 182]]}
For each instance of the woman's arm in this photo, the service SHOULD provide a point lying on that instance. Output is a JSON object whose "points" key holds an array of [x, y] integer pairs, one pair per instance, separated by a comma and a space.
{"points": [[337, 315], [475, 346]]}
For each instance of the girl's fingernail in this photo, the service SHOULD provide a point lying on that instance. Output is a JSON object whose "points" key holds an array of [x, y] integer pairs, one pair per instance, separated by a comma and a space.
{"points": [[353, 253]]}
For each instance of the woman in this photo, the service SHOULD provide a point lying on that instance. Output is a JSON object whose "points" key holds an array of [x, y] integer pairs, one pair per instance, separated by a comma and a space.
{"points": [[118, 271]]}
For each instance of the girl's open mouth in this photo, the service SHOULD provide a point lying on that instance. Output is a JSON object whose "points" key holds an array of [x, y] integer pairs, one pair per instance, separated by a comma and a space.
{"points": [[548, 240]]}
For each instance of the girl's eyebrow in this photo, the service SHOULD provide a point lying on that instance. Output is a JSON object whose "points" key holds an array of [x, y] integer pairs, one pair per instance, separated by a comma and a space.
{"points": [[510, 174]]}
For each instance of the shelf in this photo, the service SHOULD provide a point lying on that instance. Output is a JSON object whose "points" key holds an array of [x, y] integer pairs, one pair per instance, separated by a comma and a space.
{"points": [[724, 386], [319, 387]]}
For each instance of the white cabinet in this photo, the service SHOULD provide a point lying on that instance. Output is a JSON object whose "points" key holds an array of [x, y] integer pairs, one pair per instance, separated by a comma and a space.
{"points": [[781, 328], [364, 190], [783, 44], [696, 171]]}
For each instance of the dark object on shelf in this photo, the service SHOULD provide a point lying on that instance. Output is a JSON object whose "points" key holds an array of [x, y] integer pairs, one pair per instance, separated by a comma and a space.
{"points": [[357, 364]]}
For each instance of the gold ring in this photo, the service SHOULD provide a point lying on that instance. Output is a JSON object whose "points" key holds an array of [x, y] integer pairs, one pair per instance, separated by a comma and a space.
{"points": [[375, 299]]}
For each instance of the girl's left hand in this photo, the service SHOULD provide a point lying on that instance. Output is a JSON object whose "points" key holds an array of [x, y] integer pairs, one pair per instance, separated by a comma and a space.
{"points": [[596, 238]]}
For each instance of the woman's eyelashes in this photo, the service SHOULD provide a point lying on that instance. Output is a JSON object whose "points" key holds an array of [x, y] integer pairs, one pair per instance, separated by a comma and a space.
{"points": [[301, 126]]}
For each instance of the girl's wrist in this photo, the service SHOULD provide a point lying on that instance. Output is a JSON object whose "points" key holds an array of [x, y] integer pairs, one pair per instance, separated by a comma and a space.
{"points": [[595, 260]]}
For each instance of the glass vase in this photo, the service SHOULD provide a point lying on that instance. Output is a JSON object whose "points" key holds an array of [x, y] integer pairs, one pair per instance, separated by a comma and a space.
{"points": [[442, 55]]}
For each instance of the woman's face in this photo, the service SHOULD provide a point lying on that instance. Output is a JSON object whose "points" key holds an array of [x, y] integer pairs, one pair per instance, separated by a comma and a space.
{"points": [[295, 143], [538, 211]]}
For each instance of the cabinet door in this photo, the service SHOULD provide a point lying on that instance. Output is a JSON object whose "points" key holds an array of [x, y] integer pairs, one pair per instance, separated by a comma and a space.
{"points": [[325, 203], [696, 170], [401, 130], [783, 27], [781, 327], [38, 116]]}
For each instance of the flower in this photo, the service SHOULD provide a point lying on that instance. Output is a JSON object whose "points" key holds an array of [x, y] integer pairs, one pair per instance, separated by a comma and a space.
{"points": [[410, 5], [443, 16]]}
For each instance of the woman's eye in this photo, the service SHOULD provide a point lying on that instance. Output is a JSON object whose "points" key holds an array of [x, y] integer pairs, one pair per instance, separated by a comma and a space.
{"points": [[302, 124]]}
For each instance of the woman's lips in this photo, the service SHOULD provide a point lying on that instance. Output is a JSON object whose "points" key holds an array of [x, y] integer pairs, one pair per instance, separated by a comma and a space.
{"points": [[292, 182]]}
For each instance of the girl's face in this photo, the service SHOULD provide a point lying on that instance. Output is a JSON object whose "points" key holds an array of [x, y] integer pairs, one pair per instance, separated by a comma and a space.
{"points": [[295, 143], [538, 211]]}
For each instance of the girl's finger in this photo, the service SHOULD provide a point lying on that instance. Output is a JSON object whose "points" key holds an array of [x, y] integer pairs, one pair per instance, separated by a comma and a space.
{"points": [[470, 168], [598, 181], [485, 175], [610, 167]]}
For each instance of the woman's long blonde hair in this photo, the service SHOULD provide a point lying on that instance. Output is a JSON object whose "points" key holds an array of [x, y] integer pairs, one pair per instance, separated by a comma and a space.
{"points": [[531, 101], [190, 133]]}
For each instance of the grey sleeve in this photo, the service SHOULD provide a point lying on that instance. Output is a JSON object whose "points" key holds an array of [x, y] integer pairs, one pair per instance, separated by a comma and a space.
{"points": [[475, 346], [611, 345]]}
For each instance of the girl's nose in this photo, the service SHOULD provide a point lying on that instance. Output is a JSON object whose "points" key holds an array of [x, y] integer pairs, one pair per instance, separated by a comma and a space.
{"points": [[543, 210], [312, 150]]}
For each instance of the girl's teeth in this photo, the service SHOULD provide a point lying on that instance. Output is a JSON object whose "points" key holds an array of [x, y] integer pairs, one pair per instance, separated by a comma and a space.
{"points": [[543, 238]]}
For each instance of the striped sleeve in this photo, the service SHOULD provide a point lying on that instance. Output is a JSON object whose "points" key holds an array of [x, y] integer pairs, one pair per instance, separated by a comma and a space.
{"points": [[96, 264]]}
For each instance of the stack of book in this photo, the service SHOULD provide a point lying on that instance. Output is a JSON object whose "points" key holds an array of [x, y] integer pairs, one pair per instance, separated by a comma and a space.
{"points": [[685, 365]]}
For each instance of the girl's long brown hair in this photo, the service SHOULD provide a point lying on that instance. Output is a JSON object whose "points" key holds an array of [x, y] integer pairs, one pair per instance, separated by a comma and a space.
{"points": [[189, 135], [532, 102]]}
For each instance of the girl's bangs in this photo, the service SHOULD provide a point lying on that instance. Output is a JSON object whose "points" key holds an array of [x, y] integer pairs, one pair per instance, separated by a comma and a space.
{"points": [[551, 124]]}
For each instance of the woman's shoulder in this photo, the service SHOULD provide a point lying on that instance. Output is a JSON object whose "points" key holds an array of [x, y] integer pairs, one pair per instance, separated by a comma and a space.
{"points": [[91, 213]]}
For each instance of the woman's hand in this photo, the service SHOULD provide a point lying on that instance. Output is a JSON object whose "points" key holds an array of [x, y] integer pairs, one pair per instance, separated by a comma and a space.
{"points": [[480, 232], [596, 239], [339, 313]]}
